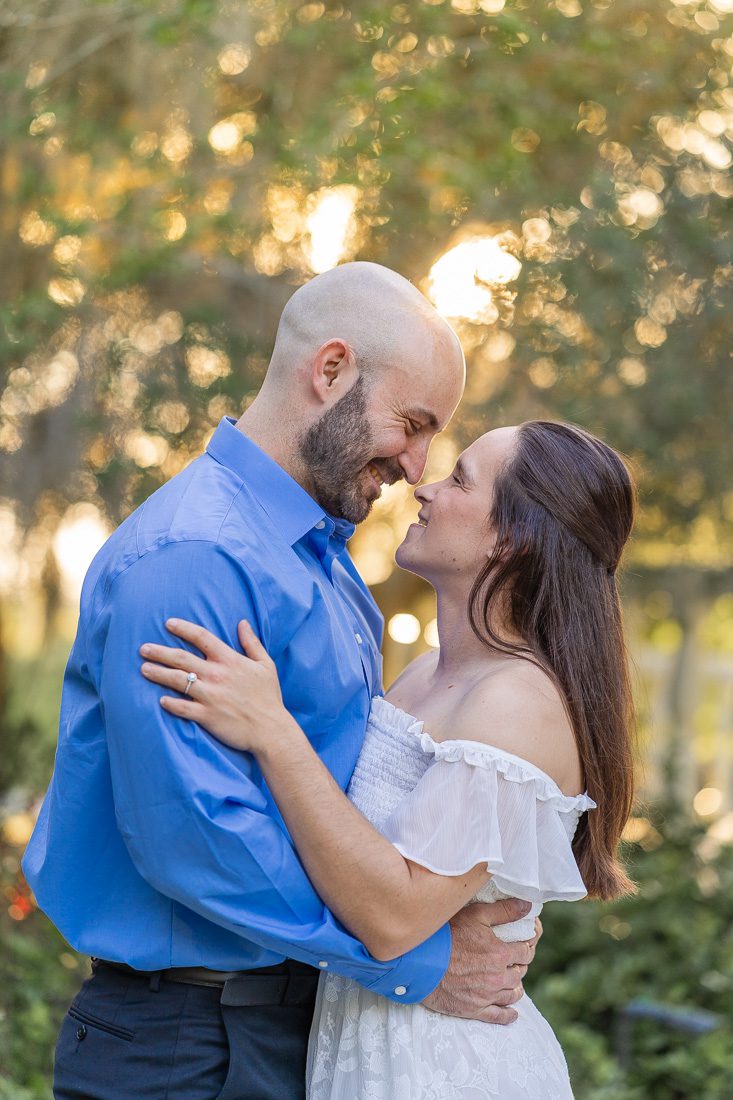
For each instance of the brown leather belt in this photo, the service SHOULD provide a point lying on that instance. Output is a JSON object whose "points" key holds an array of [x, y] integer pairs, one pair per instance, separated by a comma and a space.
{"points": [[188, 975], [288, 983]]}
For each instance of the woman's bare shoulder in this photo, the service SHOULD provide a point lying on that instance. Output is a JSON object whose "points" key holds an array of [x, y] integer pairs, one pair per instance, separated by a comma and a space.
{"points": [[518, 707]]}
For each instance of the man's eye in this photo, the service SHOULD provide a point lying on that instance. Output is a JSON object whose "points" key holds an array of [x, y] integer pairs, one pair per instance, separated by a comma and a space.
{"points": [[414, 427]]}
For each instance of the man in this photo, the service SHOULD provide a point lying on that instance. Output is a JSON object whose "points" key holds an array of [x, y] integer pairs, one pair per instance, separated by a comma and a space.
{"points": [[160, 852]]}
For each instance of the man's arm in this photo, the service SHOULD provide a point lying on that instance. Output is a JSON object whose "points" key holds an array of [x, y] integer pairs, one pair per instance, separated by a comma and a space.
{"points": [[197, 827]]}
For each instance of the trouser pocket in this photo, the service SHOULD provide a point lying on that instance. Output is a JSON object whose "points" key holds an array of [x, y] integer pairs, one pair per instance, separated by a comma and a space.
{"points": [[92, 1059], [89, 1019]]}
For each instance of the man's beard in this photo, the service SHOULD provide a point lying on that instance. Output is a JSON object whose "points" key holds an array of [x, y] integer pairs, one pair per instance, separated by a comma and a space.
{"points": [[335, 451]]}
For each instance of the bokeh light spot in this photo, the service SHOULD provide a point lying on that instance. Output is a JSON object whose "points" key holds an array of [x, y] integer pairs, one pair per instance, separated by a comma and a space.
{"points": [[404, 628], [329, 224], [234, 59], [79, 536], [707, 801], [461, 280], [430, 634]]}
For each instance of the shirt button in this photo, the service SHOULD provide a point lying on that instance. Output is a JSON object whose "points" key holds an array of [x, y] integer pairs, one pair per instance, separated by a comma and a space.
{"points": [[81, 1033], [320, 525], [358, 637], [401, 990], [323, 964]]}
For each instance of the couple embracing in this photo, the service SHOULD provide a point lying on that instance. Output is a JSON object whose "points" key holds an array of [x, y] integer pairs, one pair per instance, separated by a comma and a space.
{"points": [[290, 883]]}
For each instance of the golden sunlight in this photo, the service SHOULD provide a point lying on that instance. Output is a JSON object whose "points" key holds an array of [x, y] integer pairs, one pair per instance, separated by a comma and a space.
{"points": [[461, 280], [78, 538], [330, 224]]}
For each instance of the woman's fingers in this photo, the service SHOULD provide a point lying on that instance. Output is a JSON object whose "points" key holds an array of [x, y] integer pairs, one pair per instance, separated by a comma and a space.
{"points": [[171, 678], [173, 658], [250, 643], [203, 639], [184, 707]]}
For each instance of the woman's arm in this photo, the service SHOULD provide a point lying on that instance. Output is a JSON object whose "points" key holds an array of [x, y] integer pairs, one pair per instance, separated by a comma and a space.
{"points": [[389, 903]]}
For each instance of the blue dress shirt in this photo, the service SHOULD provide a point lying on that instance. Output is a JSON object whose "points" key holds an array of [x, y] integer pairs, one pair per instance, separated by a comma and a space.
{"points": [[156, 845]]}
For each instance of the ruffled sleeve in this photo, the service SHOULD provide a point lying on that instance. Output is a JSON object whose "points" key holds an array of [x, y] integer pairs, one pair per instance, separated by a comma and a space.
{"points": [[478, 804]]}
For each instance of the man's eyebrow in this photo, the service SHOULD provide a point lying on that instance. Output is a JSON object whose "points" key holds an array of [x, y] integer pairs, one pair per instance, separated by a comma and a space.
{"points": [[424, 414]]}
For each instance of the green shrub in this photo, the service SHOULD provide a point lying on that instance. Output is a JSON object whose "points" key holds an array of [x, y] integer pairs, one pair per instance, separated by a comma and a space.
{"points": [[672, 943], [39, 975]]}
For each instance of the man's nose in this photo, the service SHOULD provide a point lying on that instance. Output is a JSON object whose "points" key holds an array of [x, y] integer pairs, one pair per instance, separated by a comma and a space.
{"points": [[413, 462]]}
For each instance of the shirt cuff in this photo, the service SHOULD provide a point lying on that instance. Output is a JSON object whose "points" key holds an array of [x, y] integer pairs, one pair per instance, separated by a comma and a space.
{"points": [[414, 976]]}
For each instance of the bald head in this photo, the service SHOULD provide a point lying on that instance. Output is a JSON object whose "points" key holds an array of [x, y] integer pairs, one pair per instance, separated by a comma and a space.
{"points": [[364, 373], [374, 310]]}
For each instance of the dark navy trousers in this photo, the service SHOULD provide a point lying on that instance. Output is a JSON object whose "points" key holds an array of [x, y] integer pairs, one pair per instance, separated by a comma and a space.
{"points": [[134, 1037]]}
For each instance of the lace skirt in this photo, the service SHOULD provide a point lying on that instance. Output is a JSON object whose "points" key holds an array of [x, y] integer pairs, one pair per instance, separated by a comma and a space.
{"points": [[365, 1047]]}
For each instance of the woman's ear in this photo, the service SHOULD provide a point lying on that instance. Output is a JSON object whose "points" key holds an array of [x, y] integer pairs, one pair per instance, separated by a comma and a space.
{"points": [[334, 370]]}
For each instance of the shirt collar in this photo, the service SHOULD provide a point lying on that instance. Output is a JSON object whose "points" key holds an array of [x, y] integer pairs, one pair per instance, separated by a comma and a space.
{"points": [[291, 509]]}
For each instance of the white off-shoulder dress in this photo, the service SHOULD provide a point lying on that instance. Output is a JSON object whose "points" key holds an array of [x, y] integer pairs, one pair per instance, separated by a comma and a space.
{"points": [[448, 806]]}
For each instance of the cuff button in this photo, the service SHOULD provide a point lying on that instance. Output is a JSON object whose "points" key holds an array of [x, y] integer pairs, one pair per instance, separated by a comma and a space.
{"points": [[401, 990]]}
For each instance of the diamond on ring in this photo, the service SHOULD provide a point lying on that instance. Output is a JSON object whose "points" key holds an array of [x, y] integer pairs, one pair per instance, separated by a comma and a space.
{"points": [[192, 678]]}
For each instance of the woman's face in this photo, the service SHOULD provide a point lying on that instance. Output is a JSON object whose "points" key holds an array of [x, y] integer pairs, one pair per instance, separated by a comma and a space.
{"points": [[452, 538]]}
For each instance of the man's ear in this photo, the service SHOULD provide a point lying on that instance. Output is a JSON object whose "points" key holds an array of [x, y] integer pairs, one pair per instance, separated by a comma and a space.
{"points": [[334, 370]]}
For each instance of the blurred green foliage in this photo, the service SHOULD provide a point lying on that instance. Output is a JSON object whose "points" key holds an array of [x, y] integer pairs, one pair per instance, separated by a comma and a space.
{"points": [[672, 944], [39, 974], [30, 724]]}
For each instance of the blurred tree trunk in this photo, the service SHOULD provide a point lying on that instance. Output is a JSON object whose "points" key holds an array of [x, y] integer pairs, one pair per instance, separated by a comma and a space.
{"points": [[4, 682], [51, 585], [690, 605]]}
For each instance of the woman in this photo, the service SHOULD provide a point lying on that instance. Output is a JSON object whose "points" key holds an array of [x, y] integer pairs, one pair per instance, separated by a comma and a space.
{"points": [[478, 767]]}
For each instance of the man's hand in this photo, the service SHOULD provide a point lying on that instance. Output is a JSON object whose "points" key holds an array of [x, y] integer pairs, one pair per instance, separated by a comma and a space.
{"points": [[485, 974]]}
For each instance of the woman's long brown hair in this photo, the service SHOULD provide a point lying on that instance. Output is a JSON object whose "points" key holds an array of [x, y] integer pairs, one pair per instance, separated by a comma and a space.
{"points": [[563, 509]]}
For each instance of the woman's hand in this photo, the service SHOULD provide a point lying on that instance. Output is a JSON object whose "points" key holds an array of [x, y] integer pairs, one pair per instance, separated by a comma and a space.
{"points": [[236, 698]]}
